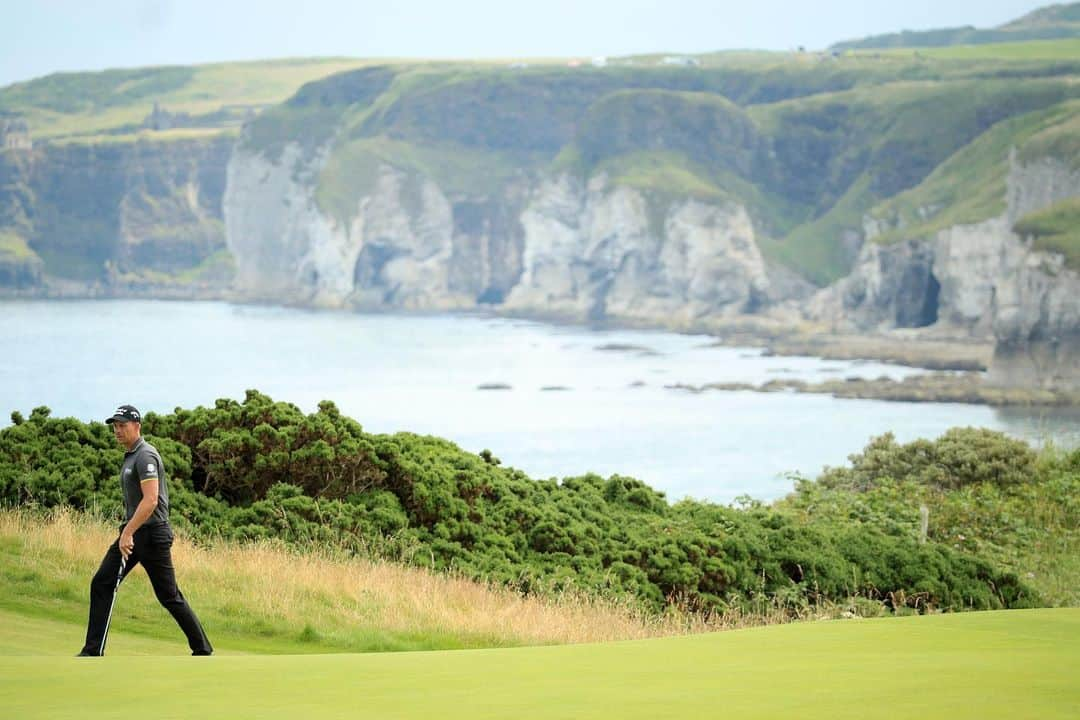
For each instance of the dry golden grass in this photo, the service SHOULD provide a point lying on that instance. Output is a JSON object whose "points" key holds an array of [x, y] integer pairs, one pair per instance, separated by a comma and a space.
{"points": [[267, 590]]}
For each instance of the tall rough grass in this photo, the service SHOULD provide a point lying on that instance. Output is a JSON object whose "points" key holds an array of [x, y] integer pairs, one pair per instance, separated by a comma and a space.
{"points": [[267, 592]]}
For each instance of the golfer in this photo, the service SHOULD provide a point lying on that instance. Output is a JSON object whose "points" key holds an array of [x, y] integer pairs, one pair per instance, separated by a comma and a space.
{"points": [[145, 538]]}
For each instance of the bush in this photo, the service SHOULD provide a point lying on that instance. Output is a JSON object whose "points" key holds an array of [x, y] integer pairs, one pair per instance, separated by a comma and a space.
{"points": [[263, 469], [960, 457]]}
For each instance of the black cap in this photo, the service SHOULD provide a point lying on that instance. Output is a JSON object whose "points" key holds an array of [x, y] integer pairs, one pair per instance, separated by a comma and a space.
{"points": [[125, 413]]}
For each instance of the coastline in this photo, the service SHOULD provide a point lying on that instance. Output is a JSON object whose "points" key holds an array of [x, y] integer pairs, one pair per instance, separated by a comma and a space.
{"points": [[967, 388], [965, 360]]}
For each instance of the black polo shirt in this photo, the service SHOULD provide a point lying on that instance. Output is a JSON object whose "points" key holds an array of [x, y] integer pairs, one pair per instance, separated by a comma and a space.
{"points": [[142, 464]]}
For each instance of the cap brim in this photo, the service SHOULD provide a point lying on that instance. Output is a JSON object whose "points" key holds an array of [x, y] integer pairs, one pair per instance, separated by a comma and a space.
{"points": [[116, 419]]}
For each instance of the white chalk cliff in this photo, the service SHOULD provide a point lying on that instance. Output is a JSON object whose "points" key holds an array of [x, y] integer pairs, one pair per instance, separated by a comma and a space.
{"points": [[593, 251], [558, 247], [978, 280]]}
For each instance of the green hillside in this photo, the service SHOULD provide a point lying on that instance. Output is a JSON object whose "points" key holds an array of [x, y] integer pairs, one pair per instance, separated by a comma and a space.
{"points": [[970, 186], [863, 129], [1047, 23], [1055, 229], [258, 470], [975, 665], [115, 102], [810, 143]]}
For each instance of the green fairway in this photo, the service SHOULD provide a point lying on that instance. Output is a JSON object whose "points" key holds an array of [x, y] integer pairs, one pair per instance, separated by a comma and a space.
{"points": [[23, 635], [1011, 664]]}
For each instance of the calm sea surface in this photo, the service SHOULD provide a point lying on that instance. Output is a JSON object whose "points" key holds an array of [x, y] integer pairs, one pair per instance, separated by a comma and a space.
{"points": [[576, 400]]}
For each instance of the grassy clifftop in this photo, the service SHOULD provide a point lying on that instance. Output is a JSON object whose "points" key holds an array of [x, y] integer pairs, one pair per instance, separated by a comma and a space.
{"points": [[1055, 229], [810, 143], [970, 185], [117, 101], [1047, 23]]}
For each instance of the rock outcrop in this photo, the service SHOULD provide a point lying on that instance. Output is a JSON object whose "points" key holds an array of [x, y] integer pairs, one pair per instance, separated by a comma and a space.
{"points": [[980, 280], [600, 252], [406, 245], [116, 218], [556, 247]]}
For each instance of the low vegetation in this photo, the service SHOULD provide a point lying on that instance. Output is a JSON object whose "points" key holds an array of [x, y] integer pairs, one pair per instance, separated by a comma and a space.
{"points": [[262, 470], [1055, 229], [809, 143], [970, 186], [267, 597], [104, 103]]}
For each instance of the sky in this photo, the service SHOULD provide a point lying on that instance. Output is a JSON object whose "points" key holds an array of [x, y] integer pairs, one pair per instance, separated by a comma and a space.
{"points": [[39, 37]]}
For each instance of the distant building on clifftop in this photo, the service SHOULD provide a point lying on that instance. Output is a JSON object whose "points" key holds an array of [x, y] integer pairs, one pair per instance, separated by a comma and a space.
{"points": [[15, 134]]}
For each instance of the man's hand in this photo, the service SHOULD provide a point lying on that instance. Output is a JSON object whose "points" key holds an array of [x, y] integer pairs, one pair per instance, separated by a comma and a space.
{"points": [[126, 543], [143, 511]]}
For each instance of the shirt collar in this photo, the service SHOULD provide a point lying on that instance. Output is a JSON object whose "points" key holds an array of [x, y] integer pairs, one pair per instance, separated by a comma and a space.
{"points": [[137, 445]]}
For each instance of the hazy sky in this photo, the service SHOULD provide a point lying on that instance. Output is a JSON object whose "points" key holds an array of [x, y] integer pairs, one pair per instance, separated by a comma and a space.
{"points": [[38, 37]]}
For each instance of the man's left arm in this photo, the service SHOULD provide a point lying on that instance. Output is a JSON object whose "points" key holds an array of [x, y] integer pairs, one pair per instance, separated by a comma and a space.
{"points": [[149, 484]]}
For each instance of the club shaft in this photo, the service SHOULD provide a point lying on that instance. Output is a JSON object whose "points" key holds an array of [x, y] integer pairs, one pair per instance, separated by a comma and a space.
{"points": [[116, 589]]}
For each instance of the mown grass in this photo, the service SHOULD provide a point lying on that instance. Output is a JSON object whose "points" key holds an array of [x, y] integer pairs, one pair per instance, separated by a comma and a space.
{"points": [[264, 598], [1012, 664]]}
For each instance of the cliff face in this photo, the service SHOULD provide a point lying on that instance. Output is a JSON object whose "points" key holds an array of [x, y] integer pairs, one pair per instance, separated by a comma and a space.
{"points": [[980, 280], [109, 218], [638, 194], [406, 245], [554, 247], [596, 251]]}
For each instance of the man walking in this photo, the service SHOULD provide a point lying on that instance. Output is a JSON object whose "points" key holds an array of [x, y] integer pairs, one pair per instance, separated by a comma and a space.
{"points": [[146, 537]]}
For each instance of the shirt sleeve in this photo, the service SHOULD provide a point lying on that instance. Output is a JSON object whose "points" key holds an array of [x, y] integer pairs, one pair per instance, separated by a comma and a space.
{"points": [[148, 467]]}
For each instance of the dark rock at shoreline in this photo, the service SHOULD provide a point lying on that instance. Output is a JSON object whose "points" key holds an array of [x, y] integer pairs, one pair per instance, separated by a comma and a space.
{"points": [[627, 347], [933, 387]]}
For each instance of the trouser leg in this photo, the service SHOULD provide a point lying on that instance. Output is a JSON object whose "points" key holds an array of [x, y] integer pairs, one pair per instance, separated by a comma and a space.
{"points": [[102, 589], [156, 556]]}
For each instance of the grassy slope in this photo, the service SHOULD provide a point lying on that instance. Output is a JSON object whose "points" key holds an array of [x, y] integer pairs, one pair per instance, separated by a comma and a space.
{"points": [[86, 104], [1066, 49], [973, 665], [1055, 229], [687, 135], [969, 187], [912, 145], [463, 125], [264, 599]]}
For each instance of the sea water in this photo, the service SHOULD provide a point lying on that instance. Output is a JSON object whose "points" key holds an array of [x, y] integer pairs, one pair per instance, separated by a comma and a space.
{"points": [[554, 401]]}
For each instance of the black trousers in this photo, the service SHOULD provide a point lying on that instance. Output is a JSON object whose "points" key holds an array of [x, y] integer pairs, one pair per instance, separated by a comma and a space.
{"points": [[153, 548]]}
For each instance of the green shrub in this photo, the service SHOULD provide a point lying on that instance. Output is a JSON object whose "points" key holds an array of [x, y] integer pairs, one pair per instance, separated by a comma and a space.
{"points": [[960, 457], [263, 469]]}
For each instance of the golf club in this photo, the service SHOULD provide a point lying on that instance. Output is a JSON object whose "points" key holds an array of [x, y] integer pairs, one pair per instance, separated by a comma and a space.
{"points": [[108, 620]]}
